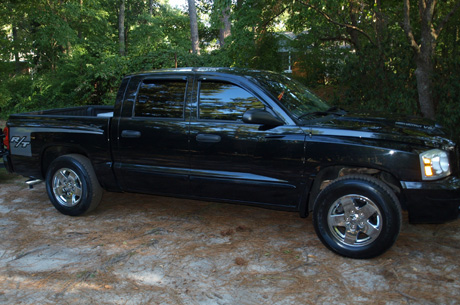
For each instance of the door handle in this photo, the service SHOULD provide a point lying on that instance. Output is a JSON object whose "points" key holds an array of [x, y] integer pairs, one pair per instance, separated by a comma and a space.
{"points": [[208, 138], [275, 136], [130, 134]]}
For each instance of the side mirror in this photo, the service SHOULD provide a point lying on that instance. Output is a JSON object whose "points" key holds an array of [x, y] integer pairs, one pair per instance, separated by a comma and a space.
{"points": [[262, 117]]}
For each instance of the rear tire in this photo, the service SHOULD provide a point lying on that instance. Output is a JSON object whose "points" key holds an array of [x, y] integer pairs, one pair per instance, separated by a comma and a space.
{"points": [[72, 185], [357, 216]]}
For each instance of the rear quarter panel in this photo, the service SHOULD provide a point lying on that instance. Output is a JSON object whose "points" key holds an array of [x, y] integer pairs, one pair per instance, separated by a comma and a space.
{"points": [[37, 140]]}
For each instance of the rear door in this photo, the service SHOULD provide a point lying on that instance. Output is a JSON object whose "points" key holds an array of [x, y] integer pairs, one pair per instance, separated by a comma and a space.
{"points": [[152, 153], [237, 161]]}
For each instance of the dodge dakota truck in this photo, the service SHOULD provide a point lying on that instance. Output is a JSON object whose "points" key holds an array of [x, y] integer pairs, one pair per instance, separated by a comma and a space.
{"points": [[248, 137]]}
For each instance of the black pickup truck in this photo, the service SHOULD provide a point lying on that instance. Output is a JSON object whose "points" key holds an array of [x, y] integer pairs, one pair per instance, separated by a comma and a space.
{"points": [[248, 137]]}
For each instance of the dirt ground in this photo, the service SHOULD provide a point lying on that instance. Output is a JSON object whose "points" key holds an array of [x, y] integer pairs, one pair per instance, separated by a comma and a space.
{"points": [[139, 249]]}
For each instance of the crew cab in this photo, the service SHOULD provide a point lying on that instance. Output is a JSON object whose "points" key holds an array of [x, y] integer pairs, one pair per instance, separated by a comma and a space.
{"points": [[248, 137]]}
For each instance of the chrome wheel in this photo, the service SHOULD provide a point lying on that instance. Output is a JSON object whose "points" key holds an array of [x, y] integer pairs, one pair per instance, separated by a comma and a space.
{"points": [[357, 216], [67, 187], [354, 220]]}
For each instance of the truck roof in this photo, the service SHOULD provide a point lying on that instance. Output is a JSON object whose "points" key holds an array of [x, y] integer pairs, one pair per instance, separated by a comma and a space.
{"points": [[214, 70]]}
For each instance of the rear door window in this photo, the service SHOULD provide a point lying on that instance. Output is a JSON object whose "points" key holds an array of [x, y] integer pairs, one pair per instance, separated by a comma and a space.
{"points": [[161, 99]]}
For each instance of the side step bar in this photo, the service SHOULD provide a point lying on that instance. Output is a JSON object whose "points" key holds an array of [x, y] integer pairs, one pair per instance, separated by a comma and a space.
{"points": [[32, 182]]}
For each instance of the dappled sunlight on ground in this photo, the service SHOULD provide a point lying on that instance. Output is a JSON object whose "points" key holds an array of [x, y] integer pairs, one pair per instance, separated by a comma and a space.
{"points": [[139, 249]]}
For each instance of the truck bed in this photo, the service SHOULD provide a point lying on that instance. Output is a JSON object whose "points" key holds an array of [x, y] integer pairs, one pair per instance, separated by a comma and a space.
{"points": [[43, 135]]}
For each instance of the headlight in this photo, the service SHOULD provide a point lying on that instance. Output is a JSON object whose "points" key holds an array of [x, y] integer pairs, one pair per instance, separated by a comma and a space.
{"points": [[434, 164]]}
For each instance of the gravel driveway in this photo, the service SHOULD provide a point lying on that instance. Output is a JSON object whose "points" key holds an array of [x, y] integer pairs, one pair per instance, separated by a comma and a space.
{"points": [[139, 249]]}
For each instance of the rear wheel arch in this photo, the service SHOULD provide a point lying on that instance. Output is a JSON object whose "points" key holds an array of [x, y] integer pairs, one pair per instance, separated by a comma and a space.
{"points": [[51, 153]]}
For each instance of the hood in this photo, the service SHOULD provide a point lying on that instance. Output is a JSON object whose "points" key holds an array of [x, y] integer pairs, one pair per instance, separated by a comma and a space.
{"points": [[385, 126]]}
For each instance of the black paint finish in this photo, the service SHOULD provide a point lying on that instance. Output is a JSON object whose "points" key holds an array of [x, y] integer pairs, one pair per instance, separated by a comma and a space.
{"points": [[215, 155]]}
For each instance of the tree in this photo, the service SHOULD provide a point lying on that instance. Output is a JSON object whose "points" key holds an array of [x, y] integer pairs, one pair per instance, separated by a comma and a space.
{"points": [[121, 28], [425, 48], [220, 17], [194, 27], [355, 50], [226, 29], [151, 8]]}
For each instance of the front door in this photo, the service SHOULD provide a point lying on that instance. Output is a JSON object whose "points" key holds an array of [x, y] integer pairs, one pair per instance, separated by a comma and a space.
{"points": [[241, 162]]}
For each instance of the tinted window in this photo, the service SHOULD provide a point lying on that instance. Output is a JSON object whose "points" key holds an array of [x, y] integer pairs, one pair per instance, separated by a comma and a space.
{"points": [[224, 101], [292, 94], [161, 99]]}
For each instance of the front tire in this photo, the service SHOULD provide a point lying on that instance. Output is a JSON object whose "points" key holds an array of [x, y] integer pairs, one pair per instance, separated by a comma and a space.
{"points": [[357, 216], [72, 185]]}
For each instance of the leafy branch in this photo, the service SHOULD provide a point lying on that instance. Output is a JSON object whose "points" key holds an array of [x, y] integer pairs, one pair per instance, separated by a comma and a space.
{"points": [[340, 24]]}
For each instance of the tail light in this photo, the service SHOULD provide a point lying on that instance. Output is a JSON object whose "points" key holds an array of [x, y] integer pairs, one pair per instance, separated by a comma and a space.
{"points": [[6, 139]]}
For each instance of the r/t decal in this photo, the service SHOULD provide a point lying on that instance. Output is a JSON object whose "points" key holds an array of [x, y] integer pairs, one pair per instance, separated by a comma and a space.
{"points": [[20, 141]]}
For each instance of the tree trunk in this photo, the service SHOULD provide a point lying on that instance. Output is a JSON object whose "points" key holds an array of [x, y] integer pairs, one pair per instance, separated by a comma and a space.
{"points": [[151, 8], [121, 28], [80, 35], [424, 60], [380, 24], [226, 29], [423, 74], [194, 27], [16, 53], [354, 35], [425, 49]]}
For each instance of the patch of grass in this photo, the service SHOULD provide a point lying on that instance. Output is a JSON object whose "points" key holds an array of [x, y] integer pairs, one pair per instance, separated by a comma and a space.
{"points": [[84, 275], [7, 177]]}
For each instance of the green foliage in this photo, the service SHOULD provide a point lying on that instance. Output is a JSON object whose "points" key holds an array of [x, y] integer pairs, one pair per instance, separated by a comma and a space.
{"points": [[373, 84], [266, 55], [447, 79], [16, 94], [371, 67], [69, 50]]}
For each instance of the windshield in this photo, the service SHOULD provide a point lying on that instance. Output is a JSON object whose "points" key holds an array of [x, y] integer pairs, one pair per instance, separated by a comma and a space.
{"points": [[294, 96]]}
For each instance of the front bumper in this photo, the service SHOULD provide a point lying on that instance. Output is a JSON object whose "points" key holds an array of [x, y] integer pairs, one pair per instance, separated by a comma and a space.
{"points": [[432, 201]]}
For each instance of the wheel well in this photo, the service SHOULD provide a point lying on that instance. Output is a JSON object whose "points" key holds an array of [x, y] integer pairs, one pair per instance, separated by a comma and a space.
{"points": [[51, 153], [327, 175]]}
